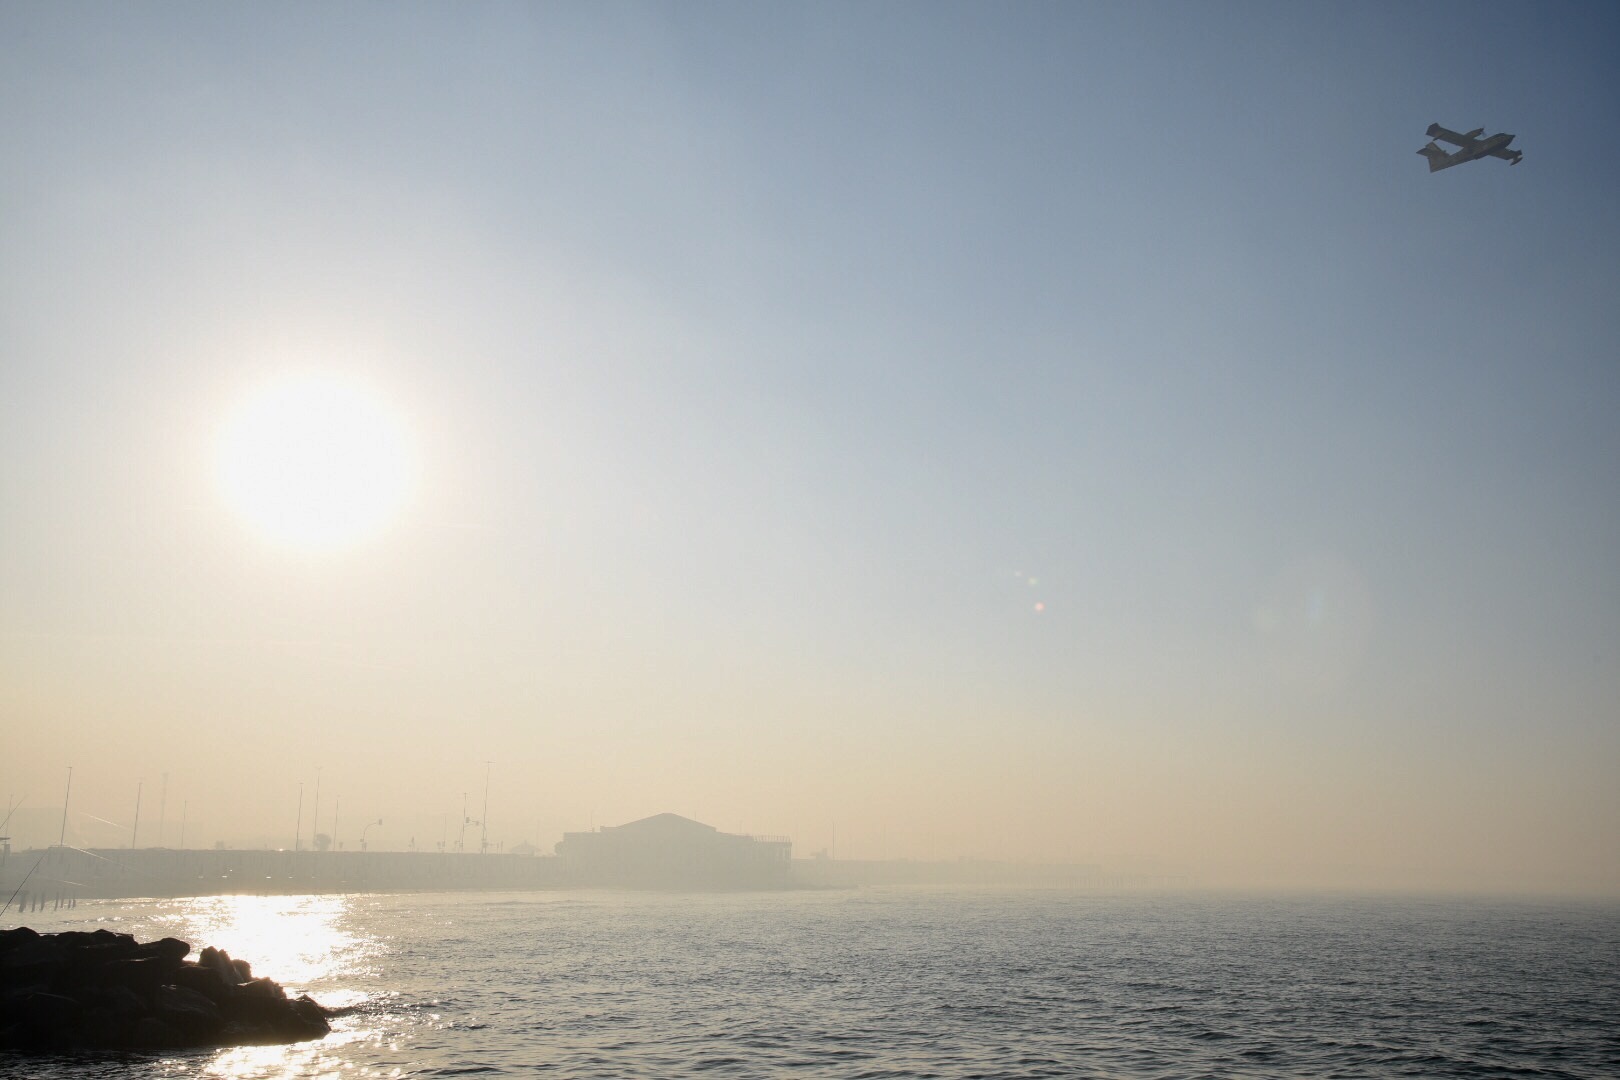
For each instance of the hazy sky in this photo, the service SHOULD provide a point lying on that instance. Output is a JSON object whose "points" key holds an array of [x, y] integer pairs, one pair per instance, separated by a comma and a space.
{"points": [[1070, 431]]}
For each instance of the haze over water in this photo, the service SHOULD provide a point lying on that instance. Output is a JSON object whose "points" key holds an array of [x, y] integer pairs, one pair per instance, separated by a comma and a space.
{"points": [[1064, 433]]}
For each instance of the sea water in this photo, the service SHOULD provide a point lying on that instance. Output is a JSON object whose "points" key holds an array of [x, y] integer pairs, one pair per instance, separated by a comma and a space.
{"points": [[896, 982]]}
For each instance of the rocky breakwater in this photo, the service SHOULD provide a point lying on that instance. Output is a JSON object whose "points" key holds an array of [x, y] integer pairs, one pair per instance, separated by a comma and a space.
{"points": [[101, 990]]}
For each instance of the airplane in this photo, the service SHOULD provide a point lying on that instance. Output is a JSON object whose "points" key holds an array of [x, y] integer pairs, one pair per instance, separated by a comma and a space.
{"points": [[1473, 148]]}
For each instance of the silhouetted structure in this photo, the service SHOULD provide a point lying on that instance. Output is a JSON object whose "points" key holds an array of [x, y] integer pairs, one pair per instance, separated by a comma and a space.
{"points": [[667, 851]]}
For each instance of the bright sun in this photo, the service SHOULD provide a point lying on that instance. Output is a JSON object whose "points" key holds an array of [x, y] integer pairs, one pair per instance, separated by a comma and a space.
{"points": [[314, 462]]}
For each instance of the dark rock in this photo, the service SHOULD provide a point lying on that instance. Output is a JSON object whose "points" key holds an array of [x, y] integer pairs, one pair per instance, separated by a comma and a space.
{"points": [[10, 939], [86, 939], [256, 1003], [98, 989], [206, 981], [31, 960], [50, 1012], [140, 971], [232, 971], [311, 1014], [188, 1012], [236, 1033], [169, 950], [102, 951], [121, 1002], [150, 1033]]}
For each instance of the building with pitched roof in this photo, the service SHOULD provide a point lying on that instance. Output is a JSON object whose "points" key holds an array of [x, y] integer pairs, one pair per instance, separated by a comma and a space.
{"points": [[667, 851]]}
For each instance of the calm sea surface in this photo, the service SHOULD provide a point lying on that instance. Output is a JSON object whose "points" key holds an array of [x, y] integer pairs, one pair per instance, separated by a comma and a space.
{"points": [[902, 983]]}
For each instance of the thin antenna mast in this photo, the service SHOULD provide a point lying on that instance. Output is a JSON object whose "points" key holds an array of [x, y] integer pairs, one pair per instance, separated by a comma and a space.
{"points": [[60, 840], [135, 829]]}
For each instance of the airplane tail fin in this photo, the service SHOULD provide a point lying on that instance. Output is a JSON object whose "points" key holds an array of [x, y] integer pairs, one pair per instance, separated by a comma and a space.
{"points": [[1438, 158]]}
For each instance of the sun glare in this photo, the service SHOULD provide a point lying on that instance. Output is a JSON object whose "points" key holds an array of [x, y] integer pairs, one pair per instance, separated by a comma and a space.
{"points": [[314, 462]]}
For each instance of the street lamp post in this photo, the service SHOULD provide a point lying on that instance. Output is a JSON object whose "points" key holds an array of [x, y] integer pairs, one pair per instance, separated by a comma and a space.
{"points": [[363, 832]]}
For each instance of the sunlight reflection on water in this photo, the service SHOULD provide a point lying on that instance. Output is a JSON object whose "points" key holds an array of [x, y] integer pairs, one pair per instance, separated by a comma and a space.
{"points": [[303, 942], [296, 940]]}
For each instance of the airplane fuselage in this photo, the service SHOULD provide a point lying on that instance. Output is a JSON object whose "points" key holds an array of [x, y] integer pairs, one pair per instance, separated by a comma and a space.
{"points": [[1483, 147]]}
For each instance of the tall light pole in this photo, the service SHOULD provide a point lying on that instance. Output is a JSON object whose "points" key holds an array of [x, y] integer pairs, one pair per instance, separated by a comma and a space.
{"points": [[60, 840], [5, 841], [483, 822], [363, 832], [315, 815], [135, 830]]}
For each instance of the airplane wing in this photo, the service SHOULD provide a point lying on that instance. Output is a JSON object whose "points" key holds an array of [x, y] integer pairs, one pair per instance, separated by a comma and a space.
{"points": [[1455, 138], [1438, 158], [1505, 154]]}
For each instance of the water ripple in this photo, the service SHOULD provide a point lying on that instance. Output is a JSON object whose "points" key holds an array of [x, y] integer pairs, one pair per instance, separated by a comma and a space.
{"points": [[919, 983]]}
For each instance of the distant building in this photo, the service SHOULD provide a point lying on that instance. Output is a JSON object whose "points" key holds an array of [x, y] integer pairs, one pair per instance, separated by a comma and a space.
{"points": [[667, 851]]}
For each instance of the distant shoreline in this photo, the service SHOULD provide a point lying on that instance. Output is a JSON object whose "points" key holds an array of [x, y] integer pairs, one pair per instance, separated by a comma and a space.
{"points": [[60, 876]]}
